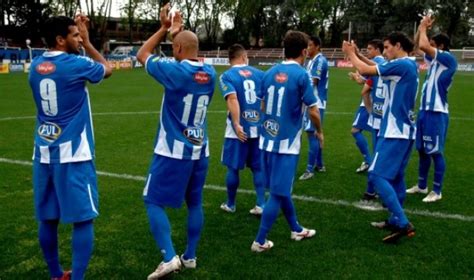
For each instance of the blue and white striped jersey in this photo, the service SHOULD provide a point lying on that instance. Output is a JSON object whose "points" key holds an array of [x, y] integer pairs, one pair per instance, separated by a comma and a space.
{"points": [[377, 94], [64, 130], [285, 88], [438, 81], [318, 69], [246, 83], [398, 112], [189, 86]]}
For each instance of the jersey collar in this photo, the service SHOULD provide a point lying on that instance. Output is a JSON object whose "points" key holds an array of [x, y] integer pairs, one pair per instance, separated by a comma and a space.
{"points": [[52, 53], [289, 62], [193, 63], [239, 65]]}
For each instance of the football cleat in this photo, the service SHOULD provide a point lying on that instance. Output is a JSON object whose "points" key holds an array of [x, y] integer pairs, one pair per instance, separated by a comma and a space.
{"points": [[364, 166], [258, 248], [257, 210], [320, 169], [416, 189], [306, 175], [397, 233], [385, 225], [369, 196], [227, 208], [189, 263], [165, 268], [305, 233], [432, 197], [66, 276]]}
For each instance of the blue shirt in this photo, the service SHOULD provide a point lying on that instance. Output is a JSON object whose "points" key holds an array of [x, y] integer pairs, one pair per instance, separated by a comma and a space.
{"points": [[318, 69], [377, 95], [398, 112], [246, 83], [285, 88], [189, 87], [438, 81], [64, 130]]}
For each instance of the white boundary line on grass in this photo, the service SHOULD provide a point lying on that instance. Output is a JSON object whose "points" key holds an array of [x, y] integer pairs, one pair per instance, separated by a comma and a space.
{"points": [[211, 112], [425, 213]]}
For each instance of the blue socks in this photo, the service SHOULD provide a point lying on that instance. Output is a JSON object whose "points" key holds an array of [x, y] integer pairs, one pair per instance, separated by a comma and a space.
{"points": [[195, 224], [82, 245], [259, 183], [48, 240], [313, 151], [361, 143], [439, 169], [424, 167], [270, 214], [232, 182], [161, 230], [391, 198]]}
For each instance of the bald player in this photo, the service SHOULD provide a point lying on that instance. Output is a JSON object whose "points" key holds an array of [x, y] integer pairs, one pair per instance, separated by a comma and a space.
{"points": [[180, 160]]}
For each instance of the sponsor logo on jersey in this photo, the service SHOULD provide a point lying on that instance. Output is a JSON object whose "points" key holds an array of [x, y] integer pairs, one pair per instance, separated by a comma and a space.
{"points": [[46, 68], [202, 77], [245, 73], [281, 78], [194, 135], [49, 131], [251, 115], [377, 108], [272, 127]]}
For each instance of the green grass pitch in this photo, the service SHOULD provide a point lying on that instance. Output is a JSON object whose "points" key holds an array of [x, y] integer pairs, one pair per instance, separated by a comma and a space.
{"points": [[125, 109]]}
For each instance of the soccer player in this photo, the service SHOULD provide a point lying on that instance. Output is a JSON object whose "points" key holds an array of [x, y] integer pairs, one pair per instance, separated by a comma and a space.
{"points": [[433, 117], [373, 96], [317, 68], [397, 129], [240, 86], [180, 160], [285, 88], [64, 176]]}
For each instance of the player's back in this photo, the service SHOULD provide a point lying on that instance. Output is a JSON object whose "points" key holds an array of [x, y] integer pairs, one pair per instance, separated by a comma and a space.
{"points": [[64, 127], [284, 89], [189, 87], [321, 70], [246, 82], [438, 81]]}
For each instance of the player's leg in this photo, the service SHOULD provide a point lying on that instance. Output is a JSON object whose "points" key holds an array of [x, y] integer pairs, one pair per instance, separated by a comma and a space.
{"points": [[259, 183], [319, 151], [439, 169], [424, 162], [313, 147], [195, 212], [161, 229], [254, 161], [269, 215], [439, 128], [232, 183], [48, 240], [423, 169], [82, 246], [360, 124]]}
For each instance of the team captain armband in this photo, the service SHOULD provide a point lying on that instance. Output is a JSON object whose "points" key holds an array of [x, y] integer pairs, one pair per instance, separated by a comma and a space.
{"points": [[369, 82]]}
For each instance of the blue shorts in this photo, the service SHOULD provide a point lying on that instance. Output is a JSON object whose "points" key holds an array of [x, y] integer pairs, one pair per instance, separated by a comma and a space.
{"points": [[279, 171], [391, 157], [308, 125], [431, 130], [236, 155], [361, 119], [65, 191], [171, 181]]}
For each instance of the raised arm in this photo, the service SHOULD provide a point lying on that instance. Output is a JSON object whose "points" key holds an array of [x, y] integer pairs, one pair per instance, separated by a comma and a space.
{"points": [[424, 42], [81, 22], [362, 67]]}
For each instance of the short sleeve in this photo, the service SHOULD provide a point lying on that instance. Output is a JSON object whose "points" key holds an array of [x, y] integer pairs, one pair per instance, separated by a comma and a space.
{"points": [[392, 68], [446, 59], [226, 85], [89, 69], [164, 70], [309, 99]]}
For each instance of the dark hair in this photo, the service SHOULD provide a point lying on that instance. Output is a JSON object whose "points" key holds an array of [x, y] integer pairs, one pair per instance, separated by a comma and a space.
{"points": [[235, 51], [56, 26], [443, 39], [294, 42], [402, 38], [377, 44], [316, 40]]}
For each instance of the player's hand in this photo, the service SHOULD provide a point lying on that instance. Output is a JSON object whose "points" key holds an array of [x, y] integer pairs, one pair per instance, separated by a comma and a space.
{"points": [[320, 136], [239, 130], [347, 47], [177, 24], [352, 75], [165, 19], [427, 21], [82, 23]]}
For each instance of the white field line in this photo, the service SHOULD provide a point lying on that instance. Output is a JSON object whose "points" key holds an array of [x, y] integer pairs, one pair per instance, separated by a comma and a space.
{"points": [[417, 212], [211, 112]]}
